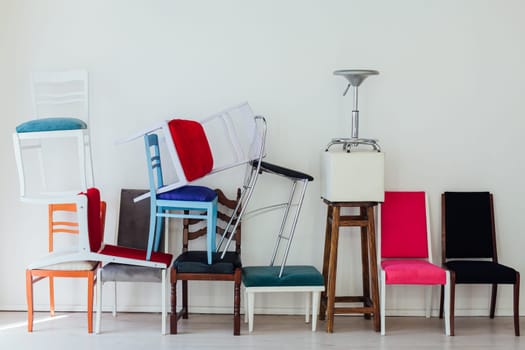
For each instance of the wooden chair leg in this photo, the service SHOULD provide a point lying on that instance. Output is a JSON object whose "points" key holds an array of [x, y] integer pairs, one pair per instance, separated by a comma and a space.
{"points": [[29, 296], [326, 257], [365, 263], [185, 299], [373, 268], [493, 296], [517, 305], [51, 295], [441, 301], [91, 279], [237, 303], [173, 316]]}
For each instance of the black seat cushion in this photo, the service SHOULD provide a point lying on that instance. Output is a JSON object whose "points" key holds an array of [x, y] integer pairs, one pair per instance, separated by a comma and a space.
{"points": [[471, 271], [196, 261]]}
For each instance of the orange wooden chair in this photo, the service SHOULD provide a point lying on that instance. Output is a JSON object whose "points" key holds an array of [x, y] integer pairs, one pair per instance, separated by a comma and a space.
{"points": [[74, 269]]}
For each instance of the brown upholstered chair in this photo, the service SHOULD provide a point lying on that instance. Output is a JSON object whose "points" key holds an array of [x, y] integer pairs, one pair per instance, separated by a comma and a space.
{"points": [[469, 248], [192, 265]]}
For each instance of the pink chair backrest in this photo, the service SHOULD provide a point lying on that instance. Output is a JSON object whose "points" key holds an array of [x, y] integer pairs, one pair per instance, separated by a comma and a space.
{"points": [[192, 148], [404, 225]]}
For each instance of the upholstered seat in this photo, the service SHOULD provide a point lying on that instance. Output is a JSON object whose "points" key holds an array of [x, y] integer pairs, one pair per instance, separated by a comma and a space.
{"points": [[189, 193], [196, 261], [51, 124], [293, 279], [412, 272], [481, 272], [268, 276]]}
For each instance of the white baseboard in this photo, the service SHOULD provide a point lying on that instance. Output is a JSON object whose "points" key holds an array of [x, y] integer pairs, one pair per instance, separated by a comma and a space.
{"points": [[260, 310]]}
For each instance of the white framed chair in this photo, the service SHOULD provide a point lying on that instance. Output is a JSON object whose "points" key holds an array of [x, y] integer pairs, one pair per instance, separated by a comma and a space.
{"points": [[133, 227], [61, 112], [405, 245], [90, 246], [278, 277]]}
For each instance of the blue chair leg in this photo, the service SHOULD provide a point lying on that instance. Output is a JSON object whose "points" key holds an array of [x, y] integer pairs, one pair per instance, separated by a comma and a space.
{"points": [[152, 225], [158, 228], [211, 222]]}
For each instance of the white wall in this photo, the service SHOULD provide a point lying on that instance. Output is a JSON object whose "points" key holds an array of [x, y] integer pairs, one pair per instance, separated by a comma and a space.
{"points": [[447, 109]]}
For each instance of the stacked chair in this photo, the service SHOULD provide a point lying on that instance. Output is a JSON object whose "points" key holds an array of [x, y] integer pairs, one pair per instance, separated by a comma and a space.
{"points": [[198, 149], [132, 232], [54, 95]]}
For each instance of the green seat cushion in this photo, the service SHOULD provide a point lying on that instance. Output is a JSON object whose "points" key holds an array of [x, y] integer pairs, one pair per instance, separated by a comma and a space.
{"points": [[51, 124], [268, 276], [196, 261]]}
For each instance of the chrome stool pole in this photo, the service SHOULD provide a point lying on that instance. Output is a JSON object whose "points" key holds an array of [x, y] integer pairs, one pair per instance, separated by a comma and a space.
{"points": [[355, 77]]}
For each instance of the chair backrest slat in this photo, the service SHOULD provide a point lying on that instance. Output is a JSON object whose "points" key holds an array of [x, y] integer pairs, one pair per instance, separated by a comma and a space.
{"points": [[225, 208]]}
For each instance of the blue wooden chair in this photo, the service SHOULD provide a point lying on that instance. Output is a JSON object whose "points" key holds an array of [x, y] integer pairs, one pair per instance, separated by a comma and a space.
{"points": [[192, 202]]}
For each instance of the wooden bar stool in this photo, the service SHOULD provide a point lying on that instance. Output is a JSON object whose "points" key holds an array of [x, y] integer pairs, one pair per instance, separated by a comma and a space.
{"points": [[370, 297]]}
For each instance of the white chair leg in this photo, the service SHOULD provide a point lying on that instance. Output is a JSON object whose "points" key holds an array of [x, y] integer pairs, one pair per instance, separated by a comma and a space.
{"points": [[251, 307], [245, 295], [115, 299], [99, 301], [382, 295], [307, 302], [446, 305], [316, 298], [163, 296], [428, 301]]}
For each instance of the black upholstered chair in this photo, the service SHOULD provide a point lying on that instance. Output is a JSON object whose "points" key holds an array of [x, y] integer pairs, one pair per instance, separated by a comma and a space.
{"points": [[469, 248], [192, 265]]}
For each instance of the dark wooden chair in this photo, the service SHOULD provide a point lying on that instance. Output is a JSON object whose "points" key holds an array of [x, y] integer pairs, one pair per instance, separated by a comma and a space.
{"points": [[192, 265], [469, 248]]}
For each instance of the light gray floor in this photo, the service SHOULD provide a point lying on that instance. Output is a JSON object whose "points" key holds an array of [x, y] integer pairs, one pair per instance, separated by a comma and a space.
{"points": [[142, 331]]}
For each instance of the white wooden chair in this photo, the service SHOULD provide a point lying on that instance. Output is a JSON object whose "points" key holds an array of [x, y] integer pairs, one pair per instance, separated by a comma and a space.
{"points": [[61, 112]]}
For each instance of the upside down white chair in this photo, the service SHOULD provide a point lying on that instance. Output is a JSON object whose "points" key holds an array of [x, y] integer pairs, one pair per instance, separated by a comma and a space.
{"points": [[61, 112]]}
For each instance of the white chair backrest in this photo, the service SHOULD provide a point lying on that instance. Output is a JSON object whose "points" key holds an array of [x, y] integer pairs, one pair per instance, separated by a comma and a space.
{"points": [[61, 94], [233, 136]]}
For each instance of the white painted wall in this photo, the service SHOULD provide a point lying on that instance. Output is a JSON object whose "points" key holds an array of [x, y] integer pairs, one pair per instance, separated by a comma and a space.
{"points": [[448, 109]]}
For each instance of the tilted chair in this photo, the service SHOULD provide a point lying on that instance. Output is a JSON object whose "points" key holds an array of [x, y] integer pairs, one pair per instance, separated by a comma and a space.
{"points": [[90, 239], [225, 140], [61, 104], [469, 247], [133, 228], [219, 142], [192, 265], [406, 254], [277, 276], [72, 269]]}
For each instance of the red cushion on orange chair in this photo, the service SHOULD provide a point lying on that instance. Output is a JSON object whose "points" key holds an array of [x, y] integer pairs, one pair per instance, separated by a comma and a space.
{"points": [[403, 225], [132, 253], [412, 272], [93, 216], [192, 147]]}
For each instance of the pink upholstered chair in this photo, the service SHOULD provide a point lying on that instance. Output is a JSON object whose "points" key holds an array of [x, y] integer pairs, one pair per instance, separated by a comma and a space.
{"points": [[405, 249]]}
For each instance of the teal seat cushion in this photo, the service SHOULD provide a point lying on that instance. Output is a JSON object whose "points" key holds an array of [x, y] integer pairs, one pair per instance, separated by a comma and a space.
{"points": [[51, 124], [268, 276]]}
